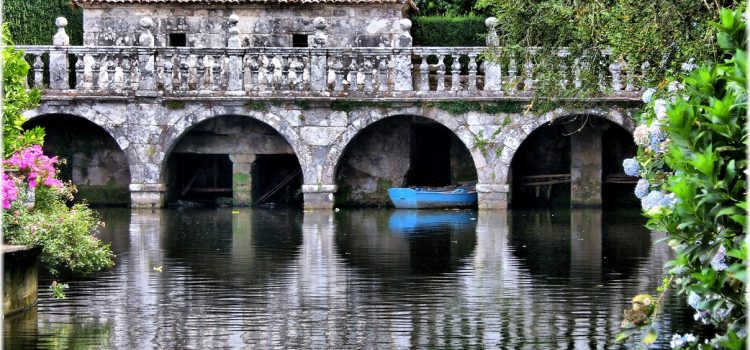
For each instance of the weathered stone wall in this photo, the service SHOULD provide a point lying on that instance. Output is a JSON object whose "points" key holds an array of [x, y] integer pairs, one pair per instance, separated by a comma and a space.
{"points": [[270, 25], [232, 135], [20, 274]]}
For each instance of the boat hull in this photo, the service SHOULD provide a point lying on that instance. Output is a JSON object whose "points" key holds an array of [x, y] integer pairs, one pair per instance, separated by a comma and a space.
{"points": [[409, 198]]}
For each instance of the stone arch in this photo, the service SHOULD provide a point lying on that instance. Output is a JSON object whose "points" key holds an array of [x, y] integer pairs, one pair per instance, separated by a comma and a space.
{"points": [[514, 137], [360, 121], [181, 126]]}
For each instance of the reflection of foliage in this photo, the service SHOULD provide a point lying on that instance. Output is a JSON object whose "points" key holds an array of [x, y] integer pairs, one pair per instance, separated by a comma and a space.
{"points": [[693, 163]]}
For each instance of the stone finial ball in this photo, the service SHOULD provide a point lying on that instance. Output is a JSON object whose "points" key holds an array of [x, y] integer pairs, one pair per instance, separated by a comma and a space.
{"points": [[61, 22], [234, 19], [490, 22], [146, 22], [320, 23], [405, 24]]}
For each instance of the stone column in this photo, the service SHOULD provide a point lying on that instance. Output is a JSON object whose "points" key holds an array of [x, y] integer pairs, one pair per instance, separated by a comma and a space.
{"points": [[492, 196], [146, 61], [319, 196], [58, 61], [586, 168], [318, 61], [235, 60], [402, 67], [147, 195], [492, 70], [242, 179]]}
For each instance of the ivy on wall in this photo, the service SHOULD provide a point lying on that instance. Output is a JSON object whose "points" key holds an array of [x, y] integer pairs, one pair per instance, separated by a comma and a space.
{"points": [[32, 22]]}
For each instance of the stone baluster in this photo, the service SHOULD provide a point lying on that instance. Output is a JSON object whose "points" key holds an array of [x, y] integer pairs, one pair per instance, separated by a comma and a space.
{"points": [[424, 72], [126, 70], [200, 72], [95, 77], [299, 71], [512, 75], [235, 60], [383, 73], [368, 74], [134, 75], [80, 71], [528, 82], [644, 72], [246, 72], [111, 70], [216, 70], [168, 72], [615, 70], [441, 73], [103, 73], [146, 62], [338, 70], [254, 72], [38, 71], [318, 61], [192, 81], [577, 73], [602, 85], [402, 67], [351, 76], [285, 66], [58, 60], [629, 77], [456, 73], [184, 70], [270, 70], [472, 72], [493, 71]]}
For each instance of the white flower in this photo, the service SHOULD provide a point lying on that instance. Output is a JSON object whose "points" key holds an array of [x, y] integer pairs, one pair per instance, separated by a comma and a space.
{"points": [[660, 108], [648, 94], [675, 86], [640, 135], [689, 66]]}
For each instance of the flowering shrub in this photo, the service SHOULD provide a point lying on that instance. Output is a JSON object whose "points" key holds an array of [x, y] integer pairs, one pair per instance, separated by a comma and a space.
{"points": [[693, 188], [32, 168]]}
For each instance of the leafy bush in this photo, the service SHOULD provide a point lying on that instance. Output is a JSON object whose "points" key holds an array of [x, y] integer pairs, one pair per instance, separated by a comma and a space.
{"points": [[693, 163], [39, 30], [448, 31]]}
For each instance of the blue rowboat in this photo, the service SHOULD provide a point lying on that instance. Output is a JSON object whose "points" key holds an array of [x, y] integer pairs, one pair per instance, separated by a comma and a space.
{"points": [[420, 198]]}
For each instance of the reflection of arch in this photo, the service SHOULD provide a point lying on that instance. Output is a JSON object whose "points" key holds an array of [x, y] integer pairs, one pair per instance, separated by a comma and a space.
{"points": [[361, 121], [512, 144], [179, 128]]}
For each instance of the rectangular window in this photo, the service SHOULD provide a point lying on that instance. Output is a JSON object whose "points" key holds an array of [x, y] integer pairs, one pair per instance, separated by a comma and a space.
{"points": [[299, 40], [177, 39]]}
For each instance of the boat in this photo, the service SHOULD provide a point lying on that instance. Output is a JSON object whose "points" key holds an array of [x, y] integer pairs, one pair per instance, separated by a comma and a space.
{"points": [[443, 197]]}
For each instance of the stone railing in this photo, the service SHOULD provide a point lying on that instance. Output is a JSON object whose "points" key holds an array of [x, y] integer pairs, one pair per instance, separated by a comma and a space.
{"points": [[400, 71]]}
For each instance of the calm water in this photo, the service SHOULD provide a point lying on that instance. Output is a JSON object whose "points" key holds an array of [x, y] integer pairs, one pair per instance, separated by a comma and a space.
{"points": [[380, 279]]}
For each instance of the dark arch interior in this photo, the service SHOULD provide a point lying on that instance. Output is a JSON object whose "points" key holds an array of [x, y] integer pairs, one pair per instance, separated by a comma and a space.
{"points": [[93, 160], [233, 161], [400, 151], [546, 154]]}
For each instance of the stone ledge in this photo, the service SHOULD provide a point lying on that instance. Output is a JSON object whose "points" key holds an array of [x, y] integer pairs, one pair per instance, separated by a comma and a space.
{"points": [[20, 274]]}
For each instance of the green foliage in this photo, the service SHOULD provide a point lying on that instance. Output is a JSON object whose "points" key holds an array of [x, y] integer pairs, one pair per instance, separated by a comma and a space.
{"points": [[461, 107], [257, 106], [32, 22], [58, 289], [16, 99], [175, 104], [350, 105], [448, 31], [450, 8], [63, 233], [702, 164]]}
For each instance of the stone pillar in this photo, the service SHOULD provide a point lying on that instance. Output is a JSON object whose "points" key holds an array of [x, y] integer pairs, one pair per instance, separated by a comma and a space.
{"points": [[492, 196], [586, 168], [147, 195], [402, 67], [585, 243], [58, 61], [318, 196], [146, 66], [235, 59], [318, 61], [492, 71], [242, 179], [20, 274]]}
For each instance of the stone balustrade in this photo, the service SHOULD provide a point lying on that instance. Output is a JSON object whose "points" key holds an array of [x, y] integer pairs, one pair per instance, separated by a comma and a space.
{"points": [[429, 72]]}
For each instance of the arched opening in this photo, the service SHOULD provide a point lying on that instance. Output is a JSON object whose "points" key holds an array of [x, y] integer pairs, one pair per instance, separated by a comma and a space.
{"points": [[233, 161], [94, 161], [400, 151], [573, 161]]}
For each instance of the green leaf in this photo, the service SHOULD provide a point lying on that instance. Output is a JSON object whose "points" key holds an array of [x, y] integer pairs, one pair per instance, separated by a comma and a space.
{"points": [[650, 336]]}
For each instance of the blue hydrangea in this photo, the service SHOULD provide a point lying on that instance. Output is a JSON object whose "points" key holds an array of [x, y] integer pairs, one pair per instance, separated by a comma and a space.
{"points": [[657, 135], [648, 94], [719, 261], [694, 299], [641, 189], [652, 199], [679, 341], [703, 316], [668, 200], [631, 166]]}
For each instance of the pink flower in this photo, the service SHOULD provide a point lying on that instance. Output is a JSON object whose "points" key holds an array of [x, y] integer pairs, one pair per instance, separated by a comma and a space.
{"points": [[10, 191]]}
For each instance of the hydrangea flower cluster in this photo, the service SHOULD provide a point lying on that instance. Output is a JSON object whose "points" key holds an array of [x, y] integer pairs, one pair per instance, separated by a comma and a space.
{"points": [[719, 261], [641, 188], [679, 341], [641, 135], [656, 199], [657, 135], [660, 109], [631, 166], [34, 168]]}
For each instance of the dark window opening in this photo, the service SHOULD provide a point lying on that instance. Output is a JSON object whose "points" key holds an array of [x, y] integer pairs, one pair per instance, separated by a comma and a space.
{"points": [[430, 156], [202, 178], [177, 39], [617, 189], [299, 40], [277, 180]]}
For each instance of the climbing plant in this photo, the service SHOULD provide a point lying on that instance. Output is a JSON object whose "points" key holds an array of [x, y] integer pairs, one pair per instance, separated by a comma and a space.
{"points": [[692, 162], [39, 31]]}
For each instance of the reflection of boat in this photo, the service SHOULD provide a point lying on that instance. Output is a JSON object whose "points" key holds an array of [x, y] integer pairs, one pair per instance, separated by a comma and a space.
{"points": [[405, 221], [417, 198]]}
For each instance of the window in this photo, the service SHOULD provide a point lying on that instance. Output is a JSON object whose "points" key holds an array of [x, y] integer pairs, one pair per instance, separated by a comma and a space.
{"points": [[177, 39], [299, 40]]}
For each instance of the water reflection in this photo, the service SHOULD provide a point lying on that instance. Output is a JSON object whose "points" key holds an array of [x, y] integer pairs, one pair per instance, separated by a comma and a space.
{"points": [[355, 280]]}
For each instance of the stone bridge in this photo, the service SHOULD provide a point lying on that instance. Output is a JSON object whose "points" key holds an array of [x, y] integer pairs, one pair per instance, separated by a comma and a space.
{"points": [[318, 100]]}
